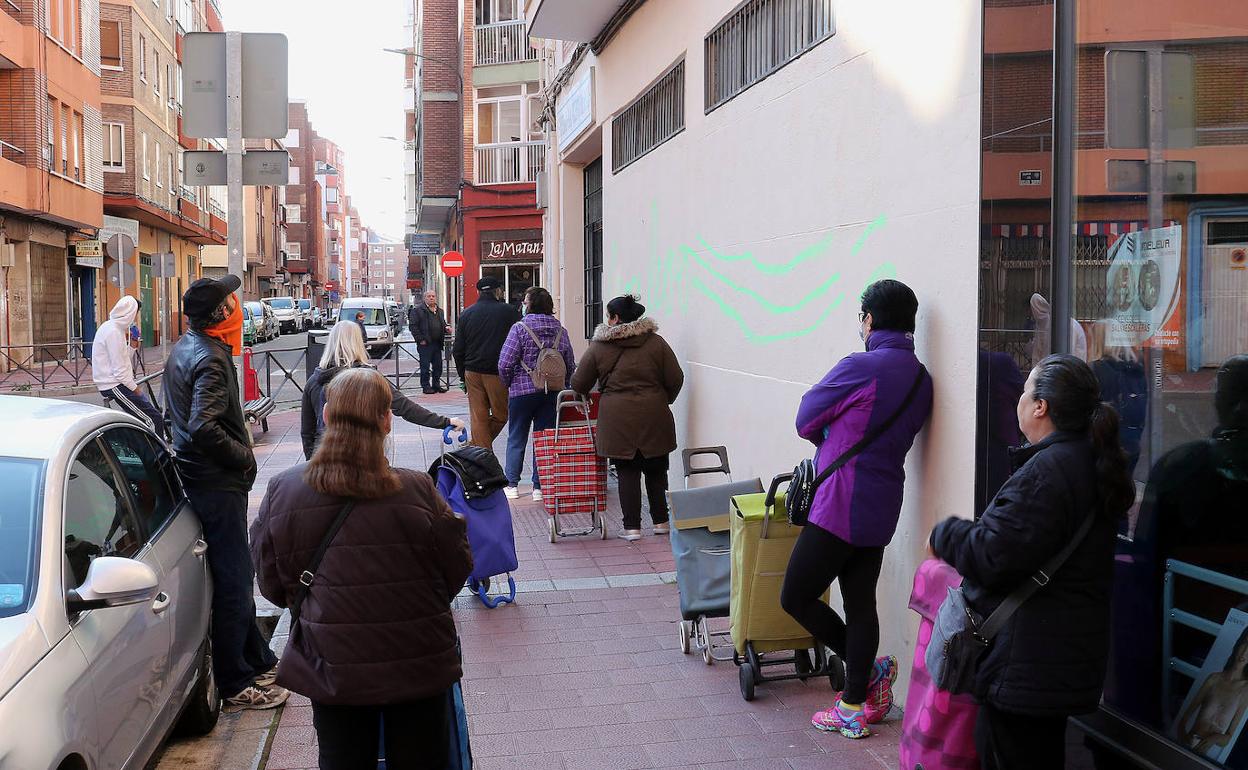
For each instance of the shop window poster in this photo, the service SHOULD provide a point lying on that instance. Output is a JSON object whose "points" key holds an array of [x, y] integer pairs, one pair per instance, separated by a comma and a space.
{"points": [[1143, 287], [1214, 711]]}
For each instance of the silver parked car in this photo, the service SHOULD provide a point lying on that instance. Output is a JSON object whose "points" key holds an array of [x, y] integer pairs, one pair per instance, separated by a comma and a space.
{"points": [[104, 592]]}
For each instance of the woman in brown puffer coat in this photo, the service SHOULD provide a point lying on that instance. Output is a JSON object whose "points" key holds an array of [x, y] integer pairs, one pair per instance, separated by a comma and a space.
{"points": [[639, 377], [375, 642]]}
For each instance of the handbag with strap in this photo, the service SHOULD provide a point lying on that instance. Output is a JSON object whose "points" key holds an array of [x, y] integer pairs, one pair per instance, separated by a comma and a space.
{"points": [[958, 640], [309, 573], [800, 496]]}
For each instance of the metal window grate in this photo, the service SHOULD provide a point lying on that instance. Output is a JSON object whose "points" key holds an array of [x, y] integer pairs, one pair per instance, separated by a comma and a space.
{"points": [[760, 37], [593, 246], [656, 116]]}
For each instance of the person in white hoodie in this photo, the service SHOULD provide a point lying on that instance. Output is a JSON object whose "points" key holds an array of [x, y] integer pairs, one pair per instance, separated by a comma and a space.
{"points": [[112, 365]]}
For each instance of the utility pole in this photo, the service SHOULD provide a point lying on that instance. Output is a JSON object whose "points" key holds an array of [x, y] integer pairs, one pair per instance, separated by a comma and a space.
{"points": [[234, 175]]}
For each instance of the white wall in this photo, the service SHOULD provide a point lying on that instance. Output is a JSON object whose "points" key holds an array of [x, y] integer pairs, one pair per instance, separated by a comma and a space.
{"points": [[857, 161]]}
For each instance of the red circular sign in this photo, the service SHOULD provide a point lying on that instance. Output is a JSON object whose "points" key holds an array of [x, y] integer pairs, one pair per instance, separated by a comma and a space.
{"points": [[452, 264]]}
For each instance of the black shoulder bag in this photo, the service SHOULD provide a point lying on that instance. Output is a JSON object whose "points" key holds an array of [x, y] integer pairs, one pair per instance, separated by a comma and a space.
{"points": [[801, 493], [959, 642], [308, 575]]}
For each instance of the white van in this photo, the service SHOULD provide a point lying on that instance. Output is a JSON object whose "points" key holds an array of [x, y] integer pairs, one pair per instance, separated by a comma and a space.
{"points": [[378, 325]]}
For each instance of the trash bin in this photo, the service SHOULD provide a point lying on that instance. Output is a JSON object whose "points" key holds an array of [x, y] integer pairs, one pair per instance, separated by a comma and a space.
{"points": [[316, 348]]}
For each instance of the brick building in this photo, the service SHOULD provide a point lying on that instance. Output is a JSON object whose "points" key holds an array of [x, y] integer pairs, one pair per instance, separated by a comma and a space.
{"points": [[480, 146], [387, 266], [142, 147], [51, 181], [305, 238]]}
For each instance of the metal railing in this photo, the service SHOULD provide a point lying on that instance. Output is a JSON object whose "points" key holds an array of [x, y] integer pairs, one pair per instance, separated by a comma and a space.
{"points": [[503, 43], [1173, 616], [7, 149], [509, 162], [57, 366]]}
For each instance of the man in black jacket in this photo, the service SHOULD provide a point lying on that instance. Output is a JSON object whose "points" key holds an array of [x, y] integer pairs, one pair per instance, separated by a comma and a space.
{"points": [[483, 329], [214, 457], [428, 324]]}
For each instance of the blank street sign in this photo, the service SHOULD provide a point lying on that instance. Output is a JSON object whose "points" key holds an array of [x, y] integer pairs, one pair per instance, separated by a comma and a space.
{"points": [[265, 87], [203, 168], [266, 168], [203, 86]]}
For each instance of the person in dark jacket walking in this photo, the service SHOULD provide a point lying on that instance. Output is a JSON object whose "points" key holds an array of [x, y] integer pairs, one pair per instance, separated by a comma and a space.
{"points": [[212, 445], [483, 328], [345, 350], [1049, 660], [639, 377], [375, 643], [428, 325], [855, 510], [527, 406]]}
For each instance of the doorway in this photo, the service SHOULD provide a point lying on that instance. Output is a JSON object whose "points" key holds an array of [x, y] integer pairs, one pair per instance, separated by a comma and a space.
{"points": [[516, 279], [147, 316]]}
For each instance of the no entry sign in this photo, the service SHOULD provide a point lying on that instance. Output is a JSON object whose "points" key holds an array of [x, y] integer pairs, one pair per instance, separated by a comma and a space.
{"points": [[452, 264]]}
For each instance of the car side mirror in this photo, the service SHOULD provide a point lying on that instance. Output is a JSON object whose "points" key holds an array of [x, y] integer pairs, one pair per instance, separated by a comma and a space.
{"points": [[113, 581]]}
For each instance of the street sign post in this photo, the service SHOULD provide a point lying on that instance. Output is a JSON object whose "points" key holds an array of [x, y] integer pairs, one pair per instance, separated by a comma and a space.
{"points": [[452, 264], [121, 272]]}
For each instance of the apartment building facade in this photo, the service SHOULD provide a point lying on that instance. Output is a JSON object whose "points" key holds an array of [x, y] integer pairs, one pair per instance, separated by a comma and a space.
{"points": [[51, 179], [141, 45], [305, 265], [387, 268], [479, 147]]}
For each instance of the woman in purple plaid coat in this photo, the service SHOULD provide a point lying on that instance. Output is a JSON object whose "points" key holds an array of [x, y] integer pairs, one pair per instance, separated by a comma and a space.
{"points": [[529, 407]]}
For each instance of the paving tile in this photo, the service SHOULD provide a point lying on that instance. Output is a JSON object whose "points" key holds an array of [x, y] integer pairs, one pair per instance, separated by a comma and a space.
{"points": [[690, 753], [720, 726], [530, 762], [618, 758], [638, 734], [774, 745]]}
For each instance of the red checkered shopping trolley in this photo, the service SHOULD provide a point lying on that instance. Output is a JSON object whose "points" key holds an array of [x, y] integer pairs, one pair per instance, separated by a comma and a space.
{"points": [[573, 476]]}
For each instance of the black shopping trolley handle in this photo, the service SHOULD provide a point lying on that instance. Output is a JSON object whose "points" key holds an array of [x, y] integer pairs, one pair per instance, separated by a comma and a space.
{"points": [[769, 503], [720, 452]]}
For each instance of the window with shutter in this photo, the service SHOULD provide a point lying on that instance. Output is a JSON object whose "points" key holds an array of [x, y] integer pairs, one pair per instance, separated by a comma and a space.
{"points": [[110, 44]]}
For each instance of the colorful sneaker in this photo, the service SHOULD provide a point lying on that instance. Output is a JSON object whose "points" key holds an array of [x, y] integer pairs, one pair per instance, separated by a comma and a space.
{"points": [[851, 723], [880, 689]]}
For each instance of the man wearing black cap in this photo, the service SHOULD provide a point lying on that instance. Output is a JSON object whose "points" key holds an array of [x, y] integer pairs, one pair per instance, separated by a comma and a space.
{"points": [[483, 329], [214, 457]]}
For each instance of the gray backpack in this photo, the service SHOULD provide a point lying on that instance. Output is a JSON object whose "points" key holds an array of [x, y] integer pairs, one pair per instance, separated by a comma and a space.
{"points": [[550, 373]]}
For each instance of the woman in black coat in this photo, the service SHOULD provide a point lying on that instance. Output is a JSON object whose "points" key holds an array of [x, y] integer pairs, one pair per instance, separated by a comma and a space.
{"points": [[1049, 660]]}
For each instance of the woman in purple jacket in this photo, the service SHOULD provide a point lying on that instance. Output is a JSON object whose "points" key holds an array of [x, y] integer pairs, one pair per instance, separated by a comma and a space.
{"points": [[855, 510], [527, 406]]}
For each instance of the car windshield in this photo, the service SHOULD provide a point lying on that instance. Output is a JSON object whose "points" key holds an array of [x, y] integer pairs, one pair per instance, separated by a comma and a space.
{"points": [[282, 303], [305, 304], [373, 316], [256, 309], [21, 485]]}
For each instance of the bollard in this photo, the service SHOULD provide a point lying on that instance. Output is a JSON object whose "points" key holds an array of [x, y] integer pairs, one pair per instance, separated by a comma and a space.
{"points": [[316, 347]]}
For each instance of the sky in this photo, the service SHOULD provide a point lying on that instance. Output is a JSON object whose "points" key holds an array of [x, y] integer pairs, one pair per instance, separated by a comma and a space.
{"points": [[354, 90]]}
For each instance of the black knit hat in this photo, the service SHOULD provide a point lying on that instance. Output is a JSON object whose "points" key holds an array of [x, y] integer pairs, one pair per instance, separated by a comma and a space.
{"points": [[206, 295]]}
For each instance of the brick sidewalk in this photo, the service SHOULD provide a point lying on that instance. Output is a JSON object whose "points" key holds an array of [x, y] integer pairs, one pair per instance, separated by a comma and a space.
{"points": [[585, 669]]}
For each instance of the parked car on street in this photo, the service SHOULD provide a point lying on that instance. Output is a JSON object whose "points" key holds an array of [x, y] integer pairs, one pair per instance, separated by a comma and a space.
{"points": [[333, 316], [313, 318], [267, 328], [105, 592], [249, 326], [289, 315], [378, 325]]}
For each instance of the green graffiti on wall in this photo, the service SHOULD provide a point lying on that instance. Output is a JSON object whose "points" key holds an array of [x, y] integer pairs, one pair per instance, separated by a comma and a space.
{"points": [[673, 273]]}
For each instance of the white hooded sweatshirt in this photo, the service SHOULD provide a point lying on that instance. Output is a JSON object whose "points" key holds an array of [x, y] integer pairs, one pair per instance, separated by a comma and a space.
{"points": [[111, 362]]}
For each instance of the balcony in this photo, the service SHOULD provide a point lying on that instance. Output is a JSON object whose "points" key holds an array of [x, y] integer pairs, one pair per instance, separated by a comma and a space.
{"points": [[503, 43], [509, 163]]}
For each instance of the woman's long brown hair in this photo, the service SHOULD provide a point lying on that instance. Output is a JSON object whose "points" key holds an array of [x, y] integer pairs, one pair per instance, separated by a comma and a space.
{"points": [[350, 460]]}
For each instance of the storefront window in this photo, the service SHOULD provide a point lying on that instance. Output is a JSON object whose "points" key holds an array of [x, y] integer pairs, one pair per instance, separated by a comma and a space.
{"points": [[1155, 273], [516, 280], [1160, 289]]}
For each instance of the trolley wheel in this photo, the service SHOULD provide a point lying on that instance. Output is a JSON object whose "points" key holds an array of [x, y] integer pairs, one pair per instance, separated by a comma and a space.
{"points": [[602, 527], [684, 636], [472, 584], [746, 676], [554, 535], [802, 664], [707, 657]]}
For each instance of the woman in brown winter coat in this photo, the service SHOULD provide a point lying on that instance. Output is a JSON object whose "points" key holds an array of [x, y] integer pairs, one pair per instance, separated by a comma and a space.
{"points": [[375, 641], [639, 377]]}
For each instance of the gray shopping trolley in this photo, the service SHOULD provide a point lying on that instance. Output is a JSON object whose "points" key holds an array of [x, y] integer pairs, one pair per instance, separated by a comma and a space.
{"points": [[700, 520]]}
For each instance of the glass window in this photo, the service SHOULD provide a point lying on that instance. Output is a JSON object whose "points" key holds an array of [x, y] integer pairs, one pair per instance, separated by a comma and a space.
{"points": [[149, 473], [110, 44], [21, 486], [98, 521], [1155, 274]]}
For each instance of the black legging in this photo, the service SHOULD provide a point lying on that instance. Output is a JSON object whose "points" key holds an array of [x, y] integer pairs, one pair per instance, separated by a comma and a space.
{"points": [[630, 473], [819, 557]]}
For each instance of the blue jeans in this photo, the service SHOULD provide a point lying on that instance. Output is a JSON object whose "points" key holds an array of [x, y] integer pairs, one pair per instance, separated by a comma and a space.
{"points": [[239, 652], [430, 365], [536, 411]]}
